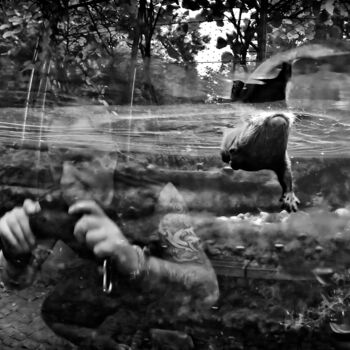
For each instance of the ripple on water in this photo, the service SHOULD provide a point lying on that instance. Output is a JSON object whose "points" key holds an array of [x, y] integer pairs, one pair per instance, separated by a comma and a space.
{"points": [[187, 130]]}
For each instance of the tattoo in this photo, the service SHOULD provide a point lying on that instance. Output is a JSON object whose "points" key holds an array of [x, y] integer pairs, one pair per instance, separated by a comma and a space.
{"points": [[182, 246]]}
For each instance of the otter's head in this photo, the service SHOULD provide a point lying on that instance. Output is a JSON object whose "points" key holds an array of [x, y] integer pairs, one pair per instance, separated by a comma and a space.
{"points": [[231, 152], [236, 91]]}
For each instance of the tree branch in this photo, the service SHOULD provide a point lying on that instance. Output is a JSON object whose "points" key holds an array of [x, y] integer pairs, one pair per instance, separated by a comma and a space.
{"points": [[87, 3], [344, 3], [97, 31], [104, 23], [294, 15], [253, 46], [234, 22], [277, 7], [156, 19]]}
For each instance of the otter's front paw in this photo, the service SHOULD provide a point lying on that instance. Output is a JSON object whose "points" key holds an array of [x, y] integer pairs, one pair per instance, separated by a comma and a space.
{"points": [[290, 201]]}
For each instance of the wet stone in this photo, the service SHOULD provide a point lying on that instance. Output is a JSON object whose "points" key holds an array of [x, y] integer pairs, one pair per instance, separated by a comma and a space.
{"points": [[19, 336], [7, 340], [40, 335], [29, 344], [22, 328], [6, 312]]}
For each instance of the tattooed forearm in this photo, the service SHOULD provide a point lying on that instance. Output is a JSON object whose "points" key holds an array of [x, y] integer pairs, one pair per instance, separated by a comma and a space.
{"points": [[183, 263], [182, 246], [178, 241], [199, 280]]}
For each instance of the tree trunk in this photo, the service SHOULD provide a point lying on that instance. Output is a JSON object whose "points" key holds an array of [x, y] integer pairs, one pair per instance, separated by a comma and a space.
{"points": [[262, 28], [147, 85], [134, 50], [142, 40]]}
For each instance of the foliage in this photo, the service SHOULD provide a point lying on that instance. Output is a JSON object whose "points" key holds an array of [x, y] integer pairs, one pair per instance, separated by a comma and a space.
{"points": [[88, 43], [95, 47], [272, 25], [323, 20], [182, 41]]}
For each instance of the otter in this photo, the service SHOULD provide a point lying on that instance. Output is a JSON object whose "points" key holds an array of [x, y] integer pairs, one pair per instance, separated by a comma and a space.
{"points": [[261, 143], [269, 81], [270, 89]]}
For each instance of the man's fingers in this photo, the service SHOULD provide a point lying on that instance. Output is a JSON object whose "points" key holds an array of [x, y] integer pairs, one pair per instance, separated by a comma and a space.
{"points": [[80, 230], [85, 224], [93, 237], [27, 232], [13, 221], [101, 250], [86, 207], [6, 233], [31, 207], [20, 218]]}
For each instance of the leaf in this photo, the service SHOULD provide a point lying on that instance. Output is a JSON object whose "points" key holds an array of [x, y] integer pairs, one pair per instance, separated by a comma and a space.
{"points": [[191, 5], [231, 37], [82, 41], [173, 53], [299, 28], [16, 20], [335, 32], [227, 57], [292, 35], [237, 47], [4, 26], [343, 12], [287, 21], [9, 34], [29, 66], [221, 43], [324, 15], [329, 6]]}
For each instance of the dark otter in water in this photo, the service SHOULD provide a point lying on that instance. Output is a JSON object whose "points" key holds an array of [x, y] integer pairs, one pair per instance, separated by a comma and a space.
{"points": [[264, 90], [268, 82], [261, 143]]}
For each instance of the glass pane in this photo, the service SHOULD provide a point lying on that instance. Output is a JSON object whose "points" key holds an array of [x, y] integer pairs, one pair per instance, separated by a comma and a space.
{"points": [[174, 174]]}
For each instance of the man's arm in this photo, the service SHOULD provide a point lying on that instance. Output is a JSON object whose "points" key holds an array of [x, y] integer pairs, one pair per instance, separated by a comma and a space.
{"points": [[20, 271], [20, 256], [183, 263], [198, 279]]}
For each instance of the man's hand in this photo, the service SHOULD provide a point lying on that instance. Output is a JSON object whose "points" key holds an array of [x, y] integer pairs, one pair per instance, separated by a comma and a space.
{"points": [[102, 235], [15, 232]]}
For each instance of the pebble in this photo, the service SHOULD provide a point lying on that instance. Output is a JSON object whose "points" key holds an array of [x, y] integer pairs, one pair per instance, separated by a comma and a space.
{"points": [[227, 170], [151, 167], [235, 218], [318, 249], [302, 236], [342, 212], [279, 246], [223, 218], [200, 166], [240, 247]]}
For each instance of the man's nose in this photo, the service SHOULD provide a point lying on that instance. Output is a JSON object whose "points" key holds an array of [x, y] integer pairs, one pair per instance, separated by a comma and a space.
{"points": [[225, 156]]}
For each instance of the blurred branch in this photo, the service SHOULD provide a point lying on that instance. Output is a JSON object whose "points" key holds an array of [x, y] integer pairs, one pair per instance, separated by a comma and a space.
{"points": [[345, 4], [87, 3], [104, 22], [98, 32], [277, 7], [157, 17]]}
